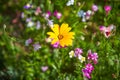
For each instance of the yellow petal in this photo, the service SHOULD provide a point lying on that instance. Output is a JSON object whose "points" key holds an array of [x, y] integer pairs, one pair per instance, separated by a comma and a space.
{"points": [[55, 29], [54, 41], [52, 35], [63, 28], [69, 35]]}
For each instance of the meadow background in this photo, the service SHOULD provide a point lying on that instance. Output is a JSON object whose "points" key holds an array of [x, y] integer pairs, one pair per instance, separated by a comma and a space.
{"points": [[27, 54]]}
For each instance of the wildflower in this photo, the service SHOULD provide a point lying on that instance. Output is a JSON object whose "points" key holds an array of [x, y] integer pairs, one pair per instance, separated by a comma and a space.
{"points": [[38, 10], [48, 40], [47, 15], [107, 9], [61, 35], [71, 54], [56, 45], [28, 19], [81, 13], [50, 23], [44, 68], [28, 41], [107, 31], [70, 2], [36, 46], [30, 24], [93, 57], [86, 73], [88, 70], [94, 8], [22, 15], [28, 6], [38, 25], [89, 67], [81, 58], [88, 14], [57, 14], [78, 52]]}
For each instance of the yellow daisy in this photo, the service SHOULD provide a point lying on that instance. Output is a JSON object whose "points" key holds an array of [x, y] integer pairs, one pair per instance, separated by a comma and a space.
{"points": [[61, 35]]}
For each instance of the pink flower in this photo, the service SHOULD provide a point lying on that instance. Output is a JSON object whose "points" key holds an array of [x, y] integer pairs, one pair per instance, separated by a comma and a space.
{"points": [[107, 31], [94, 8], [56, 45], [78, 52], [107, 9], [93, 57], [38, 10], [57, 14], [88, 70], [44, 68]]}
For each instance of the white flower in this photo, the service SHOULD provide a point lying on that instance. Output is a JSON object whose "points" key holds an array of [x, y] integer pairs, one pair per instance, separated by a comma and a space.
{"points": [[81, 58], [71, 54], [30, 24], [70, 2]]}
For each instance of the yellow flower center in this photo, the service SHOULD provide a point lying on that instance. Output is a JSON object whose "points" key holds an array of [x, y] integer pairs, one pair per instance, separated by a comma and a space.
{"points": [[60, 36]]}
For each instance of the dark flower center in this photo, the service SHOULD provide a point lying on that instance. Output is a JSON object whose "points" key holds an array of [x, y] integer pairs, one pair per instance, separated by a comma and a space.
{"points": [[60, 37]]}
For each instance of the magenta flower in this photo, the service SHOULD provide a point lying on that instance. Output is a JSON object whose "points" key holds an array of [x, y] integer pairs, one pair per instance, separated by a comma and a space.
{"points": [[44, 68], [57, 14], [89, 67], [94, 8], [93, 57], [86, 73], [107, 9], [78, 52], [88, 70], [47, 14], [56, 45], [28, 41]]}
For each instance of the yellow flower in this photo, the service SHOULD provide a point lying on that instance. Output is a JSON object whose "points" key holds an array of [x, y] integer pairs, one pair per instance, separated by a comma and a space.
{"points": [[61, 35]]}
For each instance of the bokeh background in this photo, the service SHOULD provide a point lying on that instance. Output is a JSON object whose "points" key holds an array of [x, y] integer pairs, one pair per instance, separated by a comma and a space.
{"points": [[38, 59]]}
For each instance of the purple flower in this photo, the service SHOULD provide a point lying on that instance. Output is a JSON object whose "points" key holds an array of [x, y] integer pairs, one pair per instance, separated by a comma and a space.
{"points": [[28, 6], [89, 67], [86, 73], [78, 52], [28, 19], [44, 68], [107, 9], [36, 46], [56, 45], [50, 23], [93, 57], [94, 8], [28, 41], [22, 15], [48, 14], [57, 14], [88, 70], [38, 25]]}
